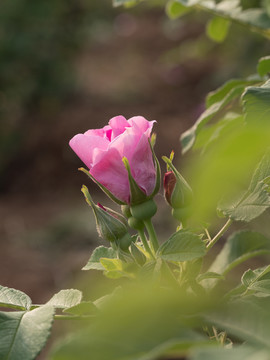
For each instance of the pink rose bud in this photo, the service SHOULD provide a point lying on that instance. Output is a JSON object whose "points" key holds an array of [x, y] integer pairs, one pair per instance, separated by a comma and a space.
{"points": [[177, 192], [169, 182], [103, 151]]}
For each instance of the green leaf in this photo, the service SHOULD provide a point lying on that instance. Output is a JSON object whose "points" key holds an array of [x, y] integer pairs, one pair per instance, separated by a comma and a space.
{"points": [[66, 298], [219, 94], [124, 2], [218, 28], [263, 67], [236, 353], [250, 277], [210, 134], [255, 200], [189, 2], [116, 268], [98, 253], [24, 334], [266, 5], [209, 275], [256, 104], [245, 320], [250, 206], [182, 246], [138, 325], [262, 286], [254, 17], [112, 264], [261, 172], [137, 253], [188, 137], [174, 9], [82, 309], [14, 299], [240, 247]]}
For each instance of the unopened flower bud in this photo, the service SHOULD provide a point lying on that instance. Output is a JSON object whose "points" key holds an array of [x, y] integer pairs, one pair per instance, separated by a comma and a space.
{"points": [[176, 190], [109, 226]]}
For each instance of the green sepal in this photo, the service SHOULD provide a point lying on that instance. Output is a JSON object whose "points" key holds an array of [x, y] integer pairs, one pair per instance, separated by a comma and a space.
{"points": [[137, 196], [102, 187], [108, 226], [157, 167]]}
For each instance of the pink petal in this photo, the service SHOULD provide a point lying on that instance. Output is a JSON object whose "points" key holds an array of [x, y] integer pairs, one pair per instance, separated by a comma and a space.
{"points": [[141, 125], [142, 165], [105, 132], [118, 125], [84, 146], [126, 144], [95, 132], [111, 172]]}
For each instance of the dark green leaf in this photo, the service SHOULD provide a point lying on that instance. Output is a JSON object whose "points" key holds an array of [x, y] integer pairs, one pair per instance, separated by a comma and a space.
{"points": [[24, 334], [14, 298], [182, 246], [98, 253]]}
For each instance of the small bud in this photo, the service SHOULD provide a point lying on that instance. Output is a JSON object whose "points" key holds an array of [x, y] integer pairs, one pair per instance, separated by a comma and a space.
{"points": [[169, 182], [177, 191], [109, 226]]}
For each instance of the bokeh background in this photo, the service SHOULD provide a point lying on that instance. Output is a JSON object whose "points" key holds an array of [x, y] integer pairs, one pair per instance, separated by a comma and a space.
{"points": [[70, 65]]}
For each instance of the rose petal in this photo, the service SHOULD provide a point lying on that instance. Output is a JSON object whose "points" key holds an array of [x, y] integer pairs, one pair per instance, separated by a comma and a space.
{"points": [[84, 146], [125, 144], [111, 172], [142, 165], [140, 125], [118, 125]]}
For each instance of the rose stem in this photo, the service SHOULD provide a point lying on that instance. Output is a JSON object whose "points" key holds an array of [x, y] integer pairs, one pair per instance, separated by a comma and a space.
{"points": [[152, 234], [145, 243]]}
